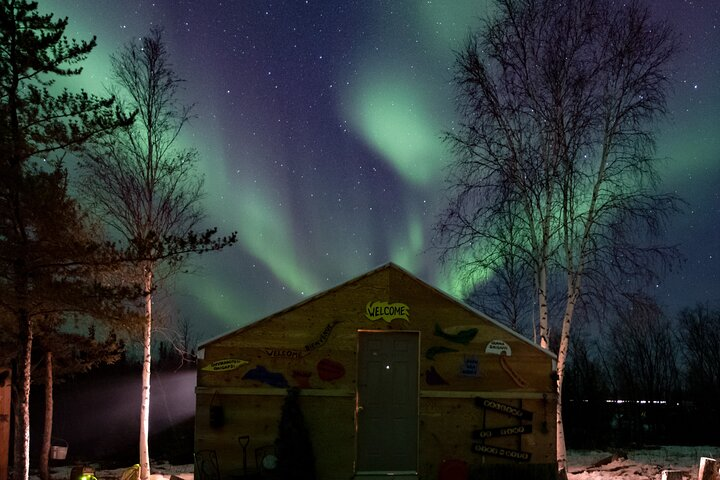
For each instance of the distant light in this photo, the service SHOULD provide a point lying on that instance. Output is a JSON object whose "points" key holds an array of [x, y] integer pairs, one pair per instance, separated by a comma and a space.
{"points": [[640, 402]]}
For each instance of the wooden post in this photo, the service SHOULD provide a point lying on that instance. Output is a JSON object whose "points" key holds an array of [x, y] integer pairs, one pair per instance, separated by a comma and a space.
{"points": [[5, 381], [672, 475], [708, 469]]}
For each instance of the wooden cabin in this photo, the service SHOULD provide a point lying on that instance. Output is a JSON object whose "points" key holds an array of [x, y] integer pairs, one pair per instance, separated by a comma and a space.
{"points": [[397, 380]]}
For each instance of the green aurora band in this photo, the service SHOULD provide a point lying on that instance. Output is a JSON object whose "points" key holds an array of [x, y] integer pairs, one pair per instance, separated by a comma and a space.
{"points": [[399, 112]]}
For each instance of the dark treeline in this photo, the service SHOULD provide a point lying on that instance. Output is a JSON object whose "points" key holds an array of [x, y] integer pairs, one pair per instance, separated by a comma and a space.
{"points": [[646, 379]]}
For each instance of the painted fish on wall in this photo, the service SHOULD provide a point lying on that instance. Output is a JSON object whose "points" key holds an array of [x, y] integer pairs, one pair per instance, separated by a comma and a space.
{"points": [[463, 336], [262, 374]]}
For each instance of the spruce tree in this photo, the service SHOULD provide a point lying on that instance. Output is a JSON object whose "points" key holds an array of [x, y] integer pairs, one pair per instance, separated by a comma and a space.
{"points": [[39, 124]]}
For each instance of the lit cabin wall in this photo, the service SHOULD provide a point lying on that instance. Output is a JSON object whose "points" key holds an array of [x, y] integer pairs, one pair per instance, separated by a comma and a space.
{"points": [[313, 346]]}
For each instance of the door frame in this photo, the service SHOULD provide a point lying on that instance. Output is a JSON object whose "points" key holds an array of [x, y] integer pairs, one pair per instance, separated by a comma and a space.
{"points": [[399, 473]]}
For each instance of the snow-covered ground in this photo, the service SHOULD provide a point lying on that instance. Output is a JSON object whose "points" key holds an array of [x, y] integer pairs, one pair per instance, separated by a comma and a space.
{"points": [[158, 472], [644, 464]]}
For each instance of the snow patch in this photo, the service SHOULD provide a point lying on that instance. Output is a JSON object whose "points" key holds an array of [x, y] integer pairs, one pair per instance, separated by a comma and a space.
{"points": [[641, 464]]}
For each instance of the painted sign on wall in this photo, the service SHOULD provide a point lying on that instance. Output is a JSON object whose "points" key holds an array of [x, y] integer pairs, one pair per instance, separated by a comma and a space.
{"points": [[314, 345], [387, 311], [225, 365], [470, 366], [501, 431], [498, 347], [283, 353], [323, 338], [502, 452], [503, 408], [487, 433]]}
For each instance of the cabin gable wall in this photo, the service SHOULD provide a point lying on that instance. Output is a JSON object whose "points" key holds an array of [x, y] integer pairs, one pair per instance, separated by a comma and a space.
{"points": [[245, 375]]}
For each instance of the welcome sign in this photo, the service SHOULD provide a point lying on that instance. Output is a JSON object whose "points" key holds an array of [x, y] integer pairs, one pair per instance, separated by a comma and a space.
{"points": [[375, 311]]}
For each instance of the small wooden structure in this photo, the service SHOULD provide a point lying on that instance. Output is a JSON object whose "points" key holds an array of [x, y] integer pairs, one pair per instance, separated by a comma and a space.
{"points": [[708, 469], [396, 377]]}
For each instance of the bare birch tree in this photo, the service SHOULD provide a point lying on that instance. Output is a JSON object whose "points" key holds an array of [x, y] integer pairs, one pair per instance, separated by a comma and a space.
{"points": [[147, 189], [558, 103]]}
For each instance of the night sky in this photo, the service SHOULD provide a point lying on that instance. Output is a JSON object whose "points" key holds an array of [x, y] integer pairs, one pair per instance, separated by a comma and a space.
{"points": [[318, 125]]}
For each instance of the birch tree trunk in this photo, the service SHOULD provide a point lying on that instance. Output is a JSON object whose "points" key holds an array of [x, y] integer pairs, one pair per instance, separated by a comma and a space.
{"points": [[543, 307], [573, 295], [22, 404], [145, 395]]}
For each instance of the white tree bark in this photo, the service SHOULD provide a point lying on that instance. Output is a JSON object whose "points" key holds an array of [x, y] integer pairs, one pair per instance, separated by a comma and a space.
{"points": [[145, 394], [22, 409], [543, 308], [573, 294]]}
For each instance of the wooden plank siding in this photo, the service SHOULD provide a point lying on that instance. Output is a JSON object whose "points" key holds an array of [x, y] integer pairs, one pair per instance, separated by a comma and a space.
{"points": [[313, 345]]}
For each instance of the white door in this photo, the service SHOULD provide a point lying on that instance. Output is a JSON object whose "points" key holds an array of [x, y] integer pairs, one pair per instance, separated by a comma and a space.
{"points": [[387, 401]]}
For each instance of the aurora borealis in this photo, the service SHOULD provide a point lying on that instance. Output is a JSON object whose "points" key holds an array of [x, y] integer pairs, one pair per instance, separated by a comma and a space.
{"points": [[319, 127]]}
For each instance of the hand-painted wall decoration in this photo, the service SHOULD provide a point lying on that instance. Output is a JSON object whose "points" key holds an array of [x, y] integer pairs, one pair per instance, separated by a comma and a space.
{"points": [[330, 370], [480, 435], [503, 408], [431, 352], [388, 312], [463, 336], [262, 374], [503, 351], [498, 347], [505, 364], [302, 378], [432, 377], [518, 455], [322, 339], [283, 353], [501, 431], [309, 347], [470, 366], [225, 365]]}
